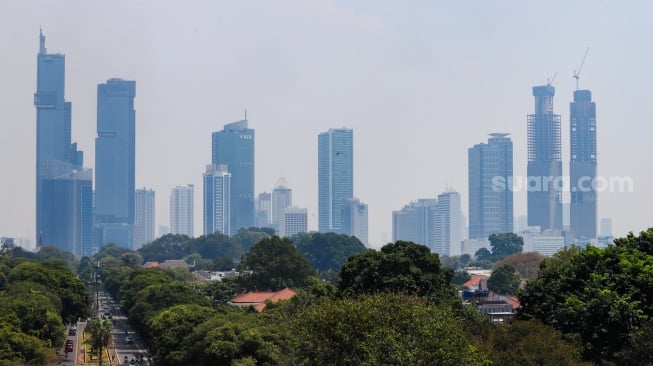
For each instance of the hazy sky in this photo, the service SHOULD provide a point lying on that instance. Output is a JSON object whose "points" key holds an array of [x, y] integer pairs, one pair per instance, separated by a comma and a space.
{"points": [[419, 82]]}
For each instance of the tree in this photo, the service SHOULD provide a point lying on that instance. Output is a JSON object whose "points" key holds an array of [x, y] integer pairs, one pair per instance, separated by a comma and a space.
{"points": [[100, 331], [327, 251], [526, 264], [382, 329], [170, 246], [401, 267], [504, 280], [505, 244], [600, 297], [483, 253], [273, 264]]}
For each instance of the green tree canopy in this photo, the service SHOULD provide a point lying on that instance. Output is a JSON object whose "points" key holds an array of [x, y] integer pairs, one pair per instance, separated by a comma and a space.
{"points": [[504, 280], [170, 246], [601, 297], [382, 329], [401, 267], [273, 264], [505, 244], [526, 264], [327, 251]]}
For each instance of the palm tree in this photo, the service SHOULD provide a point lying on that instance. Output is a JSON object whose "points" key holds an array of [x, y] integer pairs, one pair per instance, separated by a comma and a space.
{"points": [[100, 330]]}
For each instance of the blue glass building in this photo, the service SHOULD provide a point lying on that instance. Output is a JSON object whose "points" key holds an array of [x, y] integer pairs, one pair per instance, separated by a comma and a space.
{"points": [[335, 176], [490, 189], [64, 210], [544, 168], [114, 162], [582, 166], [234, 147], [217, 189]]}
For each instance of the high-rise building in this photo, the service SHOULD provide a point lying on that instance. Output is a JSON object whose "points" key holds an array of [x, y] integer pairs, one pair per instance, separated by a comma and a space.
{"points": [[234, 147], [217, 197], [68, 208], [181, 210], [446, 229], [60, 178], [354, 219], [582, 165], [115, 160], [490, 187], [263, 210], [335, 176], [415, 221], [294, 220], [143, 217], [281, 199], [606, 226], [544, 168]]}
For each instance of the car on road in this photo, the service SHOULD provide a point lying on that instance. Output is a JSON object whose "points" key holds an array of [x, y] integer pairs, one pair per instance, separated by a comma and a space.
{"points": [[69, 345], [129, 339]]}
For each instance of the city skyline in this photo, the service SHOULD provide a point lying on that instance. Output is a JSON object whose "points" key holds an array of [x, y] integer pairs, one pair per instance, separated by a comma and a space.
{"points": [[401, 78]]}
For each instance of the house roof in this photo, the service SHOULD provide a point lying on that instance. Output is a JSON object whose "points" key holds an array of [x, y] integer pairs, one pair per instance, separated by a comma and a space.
{"points": [[174, 263], [514, 301], [151, 264], [258, 298], [475, 281]]}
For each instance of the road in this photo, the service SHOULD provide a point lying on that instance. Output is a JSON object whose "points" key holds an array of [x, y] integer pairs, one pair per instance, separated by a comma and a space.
{"points": [[121, 349]]}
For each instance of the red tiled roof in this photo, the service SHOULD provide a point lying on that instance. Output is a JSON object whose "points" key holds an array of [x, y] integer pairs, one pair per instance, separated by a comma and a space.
{"points": [[475, 281], [257, 299], [151, 264]]}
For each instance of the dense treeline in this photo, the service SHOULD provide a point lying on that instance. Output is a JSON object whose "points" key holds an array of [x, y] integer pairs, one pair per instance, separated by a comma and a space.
{"points": [[39, 294], [389, 307]]}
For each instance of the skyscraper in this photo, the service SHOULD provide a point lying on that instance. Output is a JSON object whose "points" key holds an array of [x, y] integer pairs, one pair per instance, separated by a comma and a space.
{"points": [[544, 168], [582, 165], [263, 210], [294, 220], [281, 198], [354, 219], [490, 190], [64, 211], [446, 229], [217, 197], [143, 217], [181, 210], [114, 160], [335, 176], [234, 147], [415, 222]]}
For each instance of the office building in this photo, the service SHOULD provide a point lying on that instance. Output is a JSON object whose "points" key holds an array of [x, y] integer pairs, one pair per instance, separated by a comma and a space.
{"points": [[335, 176], [68, 209], [234, 147], [606, 226], [582, 165], [217, 198], [544, 168], [61, 181], [114, 160], [263, 212], [181, 210], [294, 220], [490, 187], [446, 229], [354, 219], [143, 217], [415, 222], [281, 199]]}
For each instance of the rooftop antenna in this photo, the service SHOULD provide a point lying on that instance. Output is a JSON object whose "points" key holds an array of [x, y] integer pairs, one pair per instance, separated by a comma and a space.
{"points": [[245, 114], [577, 73], [550, 80]]}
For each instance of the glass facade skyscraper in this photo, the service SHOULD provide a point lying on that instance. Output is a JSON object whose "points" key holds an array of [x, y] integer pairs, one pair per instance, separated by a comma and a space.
{"points": [[64, 211], [415, 222], [281, 198], [114, 161], [490, 189], [217, 197], [582, 165], [544, 168], [182, 210], [354, 219], [335, 176], [143, 217], [234, 147]]}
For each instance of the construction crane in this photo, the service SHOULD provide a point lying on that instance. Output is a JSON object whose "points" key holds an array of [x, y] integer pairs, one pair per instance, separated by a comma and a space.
{"points": [[577, 73], [549, 81]]}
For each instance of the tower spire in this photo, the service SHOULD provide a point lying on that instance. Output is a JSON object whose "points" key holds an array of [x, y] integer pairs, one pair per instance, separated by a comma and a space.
{"points": [[42, 49]]}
